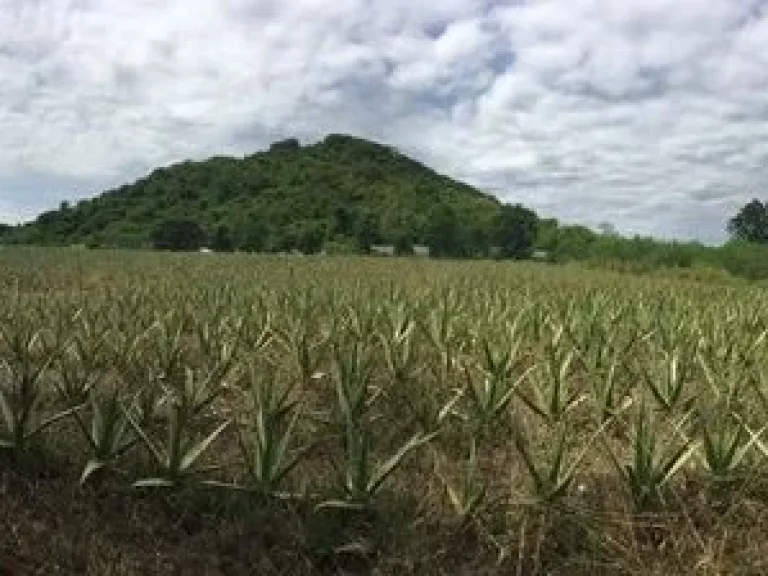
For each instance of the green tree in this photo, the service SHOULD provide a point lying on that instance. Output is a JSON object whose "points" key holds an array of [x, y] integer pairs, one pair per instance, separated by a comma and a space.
{"points": [[477, 238], [287, 145], [344, 221], [546, 233], [403, 243], [5, 231], [252, 233], [178, 235], [282, 239], [515, 231], [310, 238], [222, 239], [566, 243], [750, 223], [367, 232], [443, 234]]}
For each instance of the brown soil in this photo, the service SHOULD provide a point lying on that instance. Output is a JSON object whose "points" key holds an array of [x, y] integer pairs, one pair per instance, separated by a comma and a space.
{"points": [[50, 526]]}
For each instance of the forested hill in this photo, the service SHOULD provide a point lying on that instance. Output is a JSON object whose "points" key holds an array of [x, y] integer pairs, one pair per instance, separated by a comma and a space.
{"points": [[342, 192]]}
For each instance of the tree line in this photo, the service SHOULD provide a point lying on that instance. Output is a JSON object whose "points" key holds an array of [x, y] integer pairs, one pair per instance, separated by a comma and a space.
{"points": [[515, 232], [510, 233]]}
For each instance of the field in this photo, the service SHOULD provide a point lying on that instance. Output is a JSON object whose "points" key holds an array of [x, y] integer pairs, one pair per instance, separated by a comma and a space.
{"points": [[207, 414]]}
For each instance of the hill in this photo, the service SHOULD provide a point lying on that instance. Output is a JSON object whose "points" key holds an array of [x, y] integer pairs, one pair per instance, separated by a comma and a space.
{"points": [[342, 192]]}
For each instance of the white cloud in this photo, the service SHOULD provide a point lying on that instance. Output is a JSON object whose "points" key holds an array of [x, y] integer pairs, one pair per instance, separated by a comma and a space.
{"points": [[648, 113], [11, 213]]}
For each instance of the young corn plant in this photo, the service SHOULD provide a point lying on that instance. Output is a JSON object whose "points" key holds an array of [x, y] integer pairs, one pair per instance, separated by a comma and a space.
{"points": [[257, 328], [219, 341], [61, 324], [147, 403], [128, 355], [537, 319], [305, 348], [82, 362], [725, 443], [667, 382], [488, 401], [468, 495], [670, 326], [726, 376], [360, 320], [72, 380], [397, 343], [362, 476], [168, 346], [606, 394], [353, 392], [21, 387], [267, 435], [108, 433], [182, 440], [443, 333], [602, 358], [653, 464], [552, 473], [552, 397]]}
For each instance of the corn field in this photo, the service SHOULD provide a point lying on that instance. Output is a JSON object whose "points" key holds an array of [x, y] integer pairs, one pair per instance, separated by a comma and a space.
{"points": [[548, 419]]}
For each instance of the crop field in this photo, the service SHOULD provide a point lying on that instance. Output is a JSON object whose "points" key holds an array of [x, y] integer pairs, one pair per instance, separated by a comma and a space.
{"points": [[233, 414]]}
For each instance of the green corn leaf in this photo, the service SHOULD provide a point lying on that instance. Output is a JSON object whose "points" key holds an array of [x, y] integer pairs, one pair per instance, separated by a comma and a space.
{"points": [[193, 454], [156, 451], [154, 483], [385, 470], [91, 467]]}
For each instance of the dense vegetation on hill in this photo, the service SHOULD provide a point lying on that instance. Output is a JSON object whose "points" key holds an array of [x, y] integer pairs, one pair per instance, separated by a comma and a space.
{"points": [[342, 193], [346, 194]]}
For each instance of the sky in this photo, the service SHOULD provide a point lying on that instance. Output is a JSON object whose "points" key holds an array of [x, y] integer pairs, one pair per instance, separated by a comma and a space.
{"points": [[648, 114]]}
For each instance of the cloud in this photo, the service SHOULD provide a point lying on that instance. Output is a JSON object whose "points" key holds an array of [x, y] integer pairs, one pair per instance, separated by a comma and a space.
{"points": [[651, 114]]}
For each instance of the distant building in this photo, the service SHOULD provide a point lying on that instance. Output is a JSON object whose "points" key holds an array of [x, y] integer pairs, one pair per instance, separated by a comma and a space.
{"points": [[389, 250], [383, 250]]}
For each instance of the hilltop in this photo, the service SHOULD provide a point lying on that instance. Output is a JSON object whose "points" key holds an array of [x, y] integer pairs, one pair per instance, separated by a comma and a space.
{"points": [[342, 192]]}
